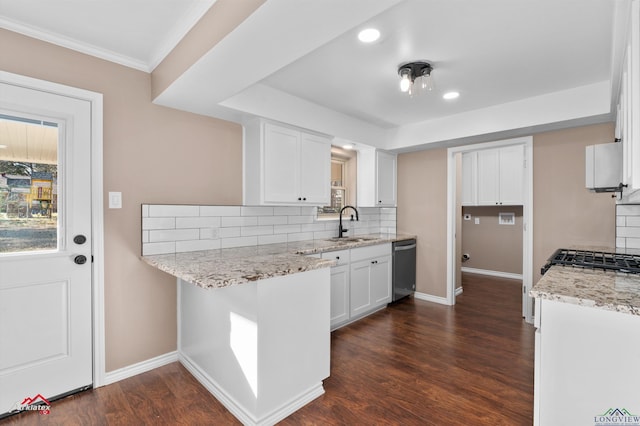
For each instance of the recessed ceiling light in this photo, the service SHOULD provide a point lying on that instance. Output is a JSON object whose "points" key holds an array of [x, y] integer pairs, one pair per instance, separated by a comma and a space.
{"points": [[347, 146], [450, 95], [3, 147], [368, 35]]}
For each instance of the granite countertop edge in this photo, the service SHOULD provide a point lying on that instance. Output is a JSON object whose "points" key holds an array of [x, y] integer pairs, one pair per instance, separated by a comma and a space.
{"points": [[222, 268], [606, 290]]}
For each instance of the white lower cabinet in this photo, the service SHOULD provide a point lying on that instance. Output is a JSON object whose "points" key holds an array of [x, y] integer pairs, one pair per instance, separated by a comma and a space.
{"points": [[360, 282]]}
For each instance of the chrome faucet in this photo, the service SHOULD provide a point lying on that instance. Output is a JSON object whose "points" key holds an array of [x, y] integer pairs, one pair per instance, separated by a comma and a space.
{"points": [[342, 230]]}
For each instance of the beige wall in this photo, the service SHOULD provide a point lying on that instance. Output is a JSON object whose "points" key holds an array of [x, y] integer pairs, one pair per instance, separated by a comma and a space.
{"points": [[153, 155], [565, 213], [422, 210], [492, 246]]}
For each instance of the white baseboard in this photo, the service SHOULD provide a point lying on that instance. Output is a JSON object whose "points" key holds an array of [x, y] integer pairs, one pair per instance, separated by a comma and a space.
{"points": [[458, 291], [138, 368], [431, 298], [498, 274], [238, 410]]}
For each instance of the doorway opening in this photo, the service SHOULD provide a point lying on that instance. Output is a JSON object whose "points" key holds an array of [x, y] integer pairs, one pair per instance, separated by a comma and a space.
{"points": [[507, 215]]}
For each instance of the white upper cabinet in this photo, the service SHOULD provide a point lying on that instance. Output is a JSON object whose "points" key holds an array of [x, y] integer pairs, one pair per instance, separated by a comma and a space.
{"points": [[377, 177], [493, 176], [285, 166], [628, 117]]}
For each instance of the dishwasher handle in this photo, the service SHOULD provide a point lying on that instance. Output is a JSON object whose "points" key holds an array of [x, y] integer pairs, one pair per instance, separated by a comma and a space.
{"points": [[402, 248]]}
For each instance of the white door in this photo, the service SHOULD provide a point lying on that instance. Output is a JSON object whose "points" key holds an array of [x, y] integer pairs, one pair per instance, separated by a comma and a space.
{"points": [[45, 246]]}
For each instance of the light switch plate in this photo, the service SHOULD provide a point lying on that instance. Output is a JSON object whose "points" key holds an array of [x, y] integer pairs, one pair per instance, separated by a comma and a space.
{"points": [[477, 221], [115, 200]]}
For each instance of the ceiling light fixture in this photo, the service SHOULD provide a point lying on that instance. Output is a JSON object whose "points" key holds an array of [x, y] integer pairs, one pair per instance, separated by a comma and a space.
{"points": [[3, 147], [368, 35], [412, 73], [451, 95]]}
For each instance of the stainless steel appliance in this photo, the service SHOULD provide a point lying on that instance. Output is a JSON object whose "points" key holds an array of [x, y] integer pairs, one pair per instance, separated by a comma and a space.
{"points": [[404, 268], [592, 259]]}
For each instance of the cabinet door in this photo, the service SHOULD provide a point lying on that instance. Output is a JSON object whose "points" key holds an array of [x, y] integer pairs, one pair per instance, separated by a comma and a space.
{"points": [[488, 177], [469, 185], [315, 170], [511, 175], [386, 179], [360, 294], [381, 280], [339, 294], [281, 164]]}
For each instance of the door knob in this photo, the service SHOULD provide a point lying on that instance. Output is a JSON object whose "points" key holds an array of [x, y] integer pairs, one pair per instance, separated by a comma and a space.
{"points": [[80, 259], [79, 239]]}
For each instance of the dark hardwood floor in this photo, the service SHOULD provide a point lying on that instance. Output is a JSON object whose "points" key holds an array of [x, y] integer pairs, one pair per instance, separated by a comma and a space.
{"points": [[415, 363]]}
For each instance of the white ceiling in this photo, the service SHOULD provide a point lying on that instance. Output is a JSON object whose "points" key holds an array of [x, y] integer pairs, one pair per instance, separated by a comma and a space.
{"points": [[519, 65]]}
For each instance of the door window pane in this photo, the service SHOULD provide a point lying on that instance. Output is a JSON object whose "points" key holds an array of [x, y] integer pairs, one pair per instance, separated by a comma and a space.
{"points": [[28, 185]]}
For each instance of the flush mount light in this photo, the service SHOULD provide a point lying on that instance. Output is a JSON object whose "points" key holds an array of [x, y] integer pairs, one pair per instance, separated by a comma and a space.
{"points": [[368, 35], [347, 146], [3, 147], [415, 77], [450, 95]]}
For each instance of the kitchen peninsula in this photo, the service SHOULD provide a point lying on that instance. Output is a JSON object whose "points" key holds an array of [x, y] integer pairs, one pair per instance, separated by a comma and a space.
{"points": [[253, 321], [587, 351]]}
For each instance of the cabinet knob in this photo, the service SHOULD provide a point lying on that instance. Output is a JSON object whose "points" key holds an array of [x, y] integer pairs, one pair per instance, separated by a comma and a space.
{"points": [[337, 257], [380, 201], [304, 199], [374, 261], [299, 198]]}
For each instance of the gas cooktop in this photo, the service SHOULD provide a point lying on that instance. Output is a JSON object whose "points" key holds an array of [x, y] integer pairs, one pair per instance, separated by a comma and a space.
{"points": [[591, 259]]}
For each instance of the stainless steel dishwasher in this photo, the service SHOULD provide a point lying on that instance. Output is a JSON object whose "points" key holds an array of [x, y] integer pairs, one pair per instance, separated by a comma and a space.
{"points": [[404, 268]]}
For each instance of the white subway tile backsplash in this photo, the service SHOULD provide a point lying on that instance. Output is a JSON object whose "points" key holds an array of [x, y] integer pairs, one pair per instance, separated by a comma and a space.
{"points": [[633, 243], [197, 245], [301, 236], [229, 232], [286, 229], [219, 210], [621, 221], [628, 209], [209, 233], [158, 223], [238, 242], [300, 219], [272, 239], [628, 231], [621, 242], [198, 222], [166, 210], [286, 211], [177, 228], [272, 220], [632, 221], [256, 230], [149, 249], [161, 235], [239, 221], [256, 211]]}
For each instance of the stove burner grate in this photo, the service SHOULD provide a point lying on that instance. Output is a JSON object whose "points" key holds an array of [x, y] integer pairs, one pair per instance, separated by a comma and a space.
{"points": [[619, 262]]}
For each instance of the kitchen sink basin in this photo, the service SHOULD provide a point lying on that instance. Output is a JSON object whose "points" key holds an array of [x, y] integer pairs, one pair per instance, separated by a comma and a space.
{"points": [[351, 239]]}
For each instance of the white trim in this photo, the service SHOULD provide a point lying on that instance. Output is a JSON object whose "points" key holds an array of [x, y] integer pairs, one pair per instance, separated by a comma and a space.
{"points": [[97, 213], [458, 291], [140, 367], [238, 410], [527, 240], [431, 298], [490, 273]]}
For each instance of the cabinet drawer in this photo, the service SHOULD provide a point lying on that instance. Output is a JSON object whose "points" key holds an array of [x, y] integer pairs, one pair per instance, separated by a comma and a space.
{"points": [[340, 256], [368, 252]]}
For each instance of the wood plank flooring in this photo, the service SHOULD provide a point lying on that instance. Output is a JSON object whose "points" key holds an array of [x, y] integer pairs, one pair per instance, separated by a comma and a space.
{"points": [[414, 363]]}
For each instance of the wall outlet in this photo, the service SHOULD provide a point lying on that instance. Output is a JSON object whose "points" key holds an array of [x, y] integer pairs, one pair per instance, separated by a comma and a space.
{"points": [[477, 221]]}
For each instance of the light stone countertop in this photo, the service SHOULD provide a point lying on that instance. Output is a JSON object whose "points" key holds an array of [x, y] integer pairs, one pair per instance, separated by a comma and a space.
{"points": [[608, 290], [227, 267]]}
